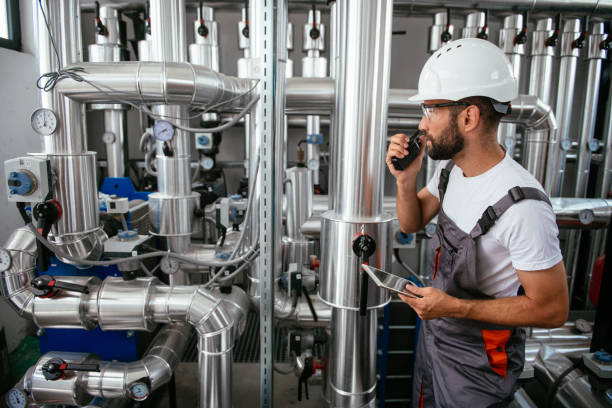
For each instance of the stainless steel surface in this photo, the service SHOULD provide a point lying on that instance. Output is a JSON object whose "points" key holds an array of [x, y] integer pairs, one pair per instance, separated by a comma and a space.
{"points": [[156, 82], [540, 133], [298, 190], [205, 51], [512, 26], [604, 186], [582, 213], [15, 281], [564, 6], [542, 54], [352, 364], [474, 23], [340, 282], [595, 56], [68, 390], [440, 24], [565, 95], [115, 123], [309, 96], [65, 29]]}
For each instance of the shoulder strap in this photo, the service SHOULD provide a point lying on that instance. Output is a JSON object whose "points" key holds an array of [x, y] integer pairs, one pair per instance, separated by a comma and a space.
{"points": [[444, 176], [493, 212]]}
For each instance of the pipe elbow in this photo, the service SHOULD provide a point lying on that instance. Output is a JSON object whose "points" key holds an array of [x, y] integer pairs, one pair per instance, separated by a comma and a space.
{"points": [[15, 281], [213, 324]]}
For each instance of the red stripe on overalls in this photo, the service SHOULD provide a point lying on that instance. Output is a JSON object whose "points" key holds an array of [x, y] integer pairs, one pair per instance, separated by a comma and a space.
{"points": [[495, 345], [437, 263], [422, 399]]}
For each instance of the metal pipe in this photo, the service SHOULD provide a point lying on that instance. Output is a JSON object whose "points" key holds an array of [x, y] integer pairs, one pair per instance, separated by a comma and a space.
{"points": [[515, 51], [563, 6], [360, 111], [109, 48], [475, 22], [604, 178], [542, 54], [438, 31], [588, 143], [75, 189], [167, 82], [15, 281], [555, 170]]}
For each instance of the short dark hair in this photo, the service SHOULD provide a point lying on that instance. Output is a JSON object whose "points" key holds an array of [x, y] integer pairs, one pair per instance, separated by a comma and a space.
{"points": [[488, 115]]}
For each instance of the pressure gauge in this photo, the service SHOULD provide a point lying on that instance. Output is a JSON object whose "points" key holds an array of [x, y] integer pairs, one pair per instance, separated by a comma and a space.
{"points": [[139, 391], [44, 121], [163, 130], [313, 164], [169, 265], [207, 163], [586, 216], [16, 398], [5, 260], [108, 138]]}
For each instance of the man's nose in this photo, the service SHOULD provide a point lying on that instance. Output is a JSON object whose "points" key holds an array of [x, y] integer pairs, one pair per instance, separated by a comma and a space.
{"points": [[423, 124]]}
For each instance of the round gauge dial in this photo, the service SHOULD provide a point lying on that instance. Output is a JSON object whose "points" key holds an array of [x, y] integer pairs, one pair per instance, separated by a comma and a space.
{"points": [[163, 130], [207, 163], [586, 216], [5, 260], [169, 265], [108, 137], [44, 121], [16, 398], [139, 391], [313, 164]]}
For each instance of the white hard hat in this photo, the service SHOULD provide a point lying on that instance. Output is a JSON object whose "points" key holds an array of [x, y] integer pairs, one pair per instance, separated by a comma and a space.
{"points": [[467, 67]]}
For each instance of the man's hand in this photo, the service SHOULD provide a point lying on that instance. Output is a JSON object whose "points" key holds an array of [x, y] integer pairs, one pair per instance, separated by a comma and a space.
{"points": [[434, 303], [397, 148]]}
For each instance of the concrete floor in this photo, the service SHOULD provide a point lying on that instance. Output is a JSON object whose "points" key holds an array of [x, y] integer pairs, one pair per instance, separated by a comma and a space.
{"points": [[245, 388]]}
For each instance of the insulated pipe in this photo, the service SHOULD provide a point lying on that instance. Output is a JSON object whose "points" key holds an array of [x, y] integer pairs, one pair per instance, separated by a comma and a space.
{"points": [[515, 51], [141, 304], [360, 111], [108, 48], [542, 54], [314, 66], [563, 6], [115, 379], [540, 132], [475, 22], [604, 186], [75, 189], [588, 143], [555, 167], [156, 83]]}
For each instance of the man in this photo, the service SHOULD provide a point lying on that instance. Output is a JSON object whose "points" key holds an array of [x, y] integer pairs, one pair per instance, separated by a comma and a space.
{"points": [[497, 262]]}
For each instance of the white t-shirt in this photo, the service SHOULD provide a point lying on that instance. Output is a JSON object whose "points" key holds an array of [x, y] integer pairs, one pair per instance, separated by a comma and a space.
{"points": [[525, 237]]}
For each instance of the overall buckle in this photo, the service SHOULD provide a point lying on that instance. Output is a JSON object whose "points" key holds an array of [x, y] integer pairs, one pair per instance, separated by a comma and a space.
{"points": [[487, 220], [516, 194]]}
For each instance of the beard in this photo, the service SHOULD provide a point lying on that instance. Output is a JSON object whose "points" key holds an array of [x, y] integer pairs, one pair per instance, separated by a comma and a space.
{"points": [[449, 144]]}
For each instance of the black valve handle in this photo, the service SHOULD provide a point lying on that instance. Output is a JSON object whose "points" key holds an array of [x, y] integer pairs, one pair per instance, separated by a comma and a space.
{"points": [[56, 368], [46, 286], [364, 246], [306, 374]]}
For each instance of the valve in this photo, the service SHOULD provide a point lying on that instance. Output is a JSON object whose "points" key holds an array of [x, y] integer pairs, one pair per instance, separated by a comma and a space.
{"points": [[446, 35], [552, 40], [100, 28], [579, 42], [46, 214], [307, 372], [364, 246], [46, 286], [56, 368]]}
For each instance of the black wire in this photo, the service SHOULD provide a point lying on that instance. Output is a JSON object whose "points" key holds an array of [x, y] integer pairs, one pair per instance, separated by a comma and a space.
{"points": [[310, 306], [42, 9], [550, 396]]}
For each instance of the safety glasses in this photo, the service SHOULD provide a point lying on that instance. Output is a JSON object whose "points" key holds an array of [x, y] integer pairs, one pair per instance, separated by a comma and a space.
{"points": [[429, 110]]}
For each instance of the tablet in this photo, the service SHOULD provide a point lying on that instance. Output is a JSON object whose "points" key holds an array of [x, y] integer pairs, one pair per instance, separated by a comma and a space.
{"points": [[389, 281]]}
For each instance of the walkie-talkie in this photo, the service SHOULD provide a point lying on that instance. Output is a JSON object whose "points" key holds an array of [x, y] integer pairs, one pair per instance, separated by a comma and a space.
{"points": [[414, 147]]}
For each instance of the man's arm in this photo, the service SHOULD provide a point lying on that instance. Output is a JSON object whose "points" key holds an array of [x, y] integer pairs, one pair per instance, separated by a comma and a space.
{"points": [[545, 303], [414, 210]]}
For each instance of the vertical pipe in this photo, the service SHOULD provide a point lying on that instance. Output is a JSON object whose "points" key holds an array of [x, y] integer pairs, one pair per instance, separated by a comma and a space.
{"points": [[588, 144], [244, 72], [605, 174], [474, 24], [555, 168], [361, 94], [514, 50], [75, 188], [542, 54], [314, 66], [108, 48], [174, 199], [333, 64]]}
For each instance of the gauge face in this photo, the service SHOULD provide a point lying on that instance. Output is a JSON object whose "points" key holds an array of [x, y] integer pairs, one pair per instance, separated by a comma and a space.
{"points": [[139, 391], [16, 399], [163, 131], [169, 265], [5, 260], [586, 216], [313, 164], [44, 121], [207, 163], [108, 137]]}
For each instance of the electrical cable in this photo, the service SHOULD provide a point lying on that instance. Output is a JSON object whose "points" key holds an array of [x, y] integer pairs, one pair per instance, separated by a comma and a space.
{"points": [[406, 267], [179, 257], [550, 396]]}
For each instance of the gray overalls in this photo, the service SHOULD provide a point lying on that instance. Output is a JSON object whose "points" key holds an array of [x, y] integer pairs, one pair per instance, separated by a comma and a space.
{"points": [[460, 362]]}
